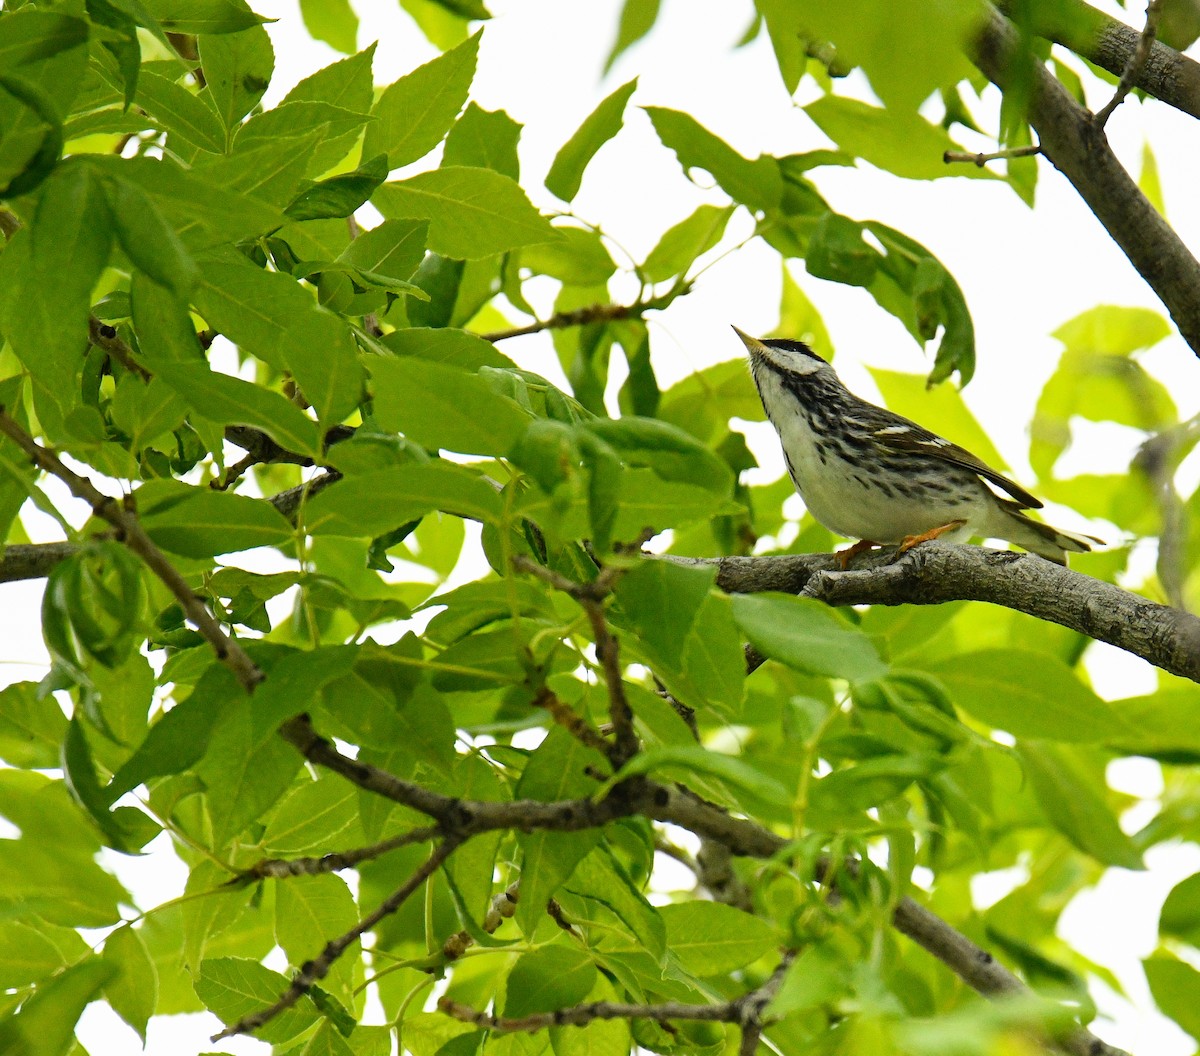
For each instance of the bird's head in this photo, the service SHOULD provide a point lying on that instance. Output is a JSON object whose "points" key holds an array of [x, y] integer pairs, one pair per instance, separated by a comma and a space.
{"points": [[783, 356]]}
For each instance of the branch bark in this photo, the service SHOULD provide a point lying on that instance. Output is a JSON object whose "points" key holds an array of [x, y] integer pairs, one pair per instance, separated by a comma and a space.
{"points": [[131, 533], [1077, 147], [460, 819], [937, 572], [1166, 74]]}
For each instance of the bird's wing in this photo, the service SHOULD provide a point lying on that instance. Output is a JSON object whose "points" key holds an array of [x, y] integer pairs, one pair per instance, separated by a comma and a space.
{"points": [[908, 436]]}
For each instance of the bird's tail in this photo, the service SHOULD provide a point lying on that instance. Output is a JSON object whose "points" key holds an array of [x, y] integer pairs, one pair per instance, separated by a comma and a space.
{"points": [[1036, 537]]}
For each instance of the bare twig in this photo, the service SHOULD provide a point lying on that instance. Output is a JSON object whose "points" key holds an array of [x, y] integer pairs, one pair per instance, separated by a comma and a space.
{"points": [[131, 533], [980, 160], [593, 313], [591, 598], [746, 1011], [281, 868], [1077, 147], [1133, 66], [104, 336], [315, 970]]}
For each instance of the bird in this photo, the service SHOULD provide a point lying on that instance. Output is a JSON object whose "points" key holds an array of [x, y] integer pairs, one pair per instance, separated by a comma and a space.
{"points": [[869, 474]]}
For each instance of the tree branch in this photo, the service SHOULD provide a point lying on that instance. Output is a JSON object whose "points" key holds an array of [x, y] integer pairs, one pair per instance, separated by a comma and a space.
{"points": [[1167, 75], [315, 970], [1077, 147], [1135, 62], [937, 572], [36, 560], [746, 1011], [131, 533], [593, 313], [281, 868], [461, 819]]}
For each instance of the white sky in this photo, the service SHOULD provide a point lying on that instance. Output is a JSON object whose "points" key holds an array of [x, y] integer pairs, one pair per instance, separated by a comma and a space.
{"points": [[1023, 272]]}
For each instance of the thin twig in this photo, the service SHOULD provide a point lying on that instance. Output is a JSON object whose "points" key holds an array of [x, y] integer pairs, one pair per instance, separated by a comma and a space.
{"points": [[1133, 67], [131, 533], [592, 313], [281, 868], [591, 597], [104, 336], [746, 1011], [315, 970], [980, 160]]}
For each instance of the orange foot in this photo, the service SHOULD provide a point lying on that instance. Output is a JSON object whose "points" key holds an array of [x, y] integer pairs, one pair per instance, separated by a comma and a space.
{"points": [[909, 541], [846, 556]]}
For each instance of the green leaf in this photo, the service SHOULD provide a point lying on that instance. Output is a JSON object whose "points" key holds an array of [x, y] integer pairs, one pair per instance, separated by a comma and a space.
{"points": [[273, 317], [808, 636], [28, 35], [837, 252], [557, 770], [149, 242], [348, 85], [31, 730], [637, 19], [442, 407], [1028, 693], [415, 112], [339, 195], [29, 955], [1074, 802], [237, 70], [1179, 917], [45, 1024], [352, 506], [709, 938], [202, 16], [756, 184], [903, 144], [680, 245], [472, 212], [133, 993], [231, 401], [547, 979], [394, 248], [1175, 985], [203, 215], [307, 913], [79, 771], [578, 258], [448, 346], [48, 274], [484, 139], [332, 21], [907, 51], [180, 112], [233, 987], [566, 172], [680, 760], [1108, 330], [204, 523]]}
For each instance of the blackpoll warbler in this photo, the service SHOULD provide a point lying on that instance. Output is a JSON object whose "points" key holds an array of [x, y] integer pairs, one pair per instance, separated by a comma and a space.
{"points": [[872, 475]]}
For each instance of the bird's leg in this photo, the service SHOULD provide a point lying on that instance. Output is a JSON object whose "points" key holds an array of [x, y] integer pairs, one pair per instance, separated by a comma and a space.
{"points": [[909, 541], [846, 556]]}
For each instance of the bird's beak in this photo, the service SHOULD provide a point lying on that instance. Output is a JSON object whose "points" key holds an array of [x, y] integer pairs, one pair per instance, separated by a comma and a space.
{"points": [[753, 345]]}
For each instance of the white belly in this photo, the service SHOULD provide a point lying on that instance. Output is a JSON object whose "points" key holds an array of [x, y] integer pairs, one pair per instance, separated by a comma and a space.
{"points": [[844, 497]]}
